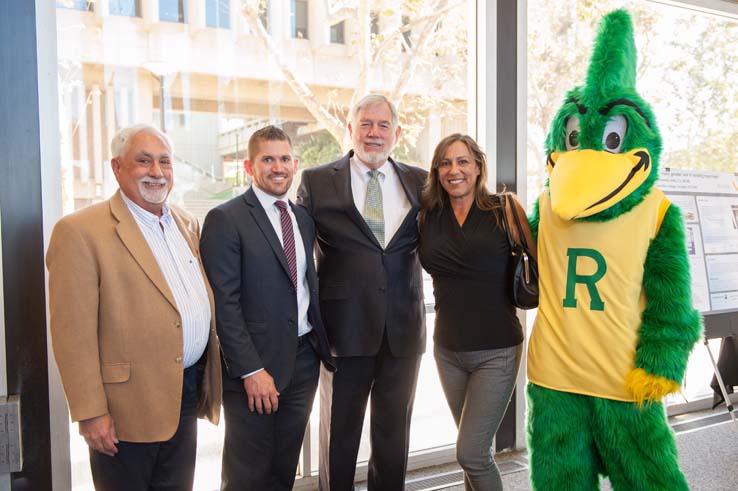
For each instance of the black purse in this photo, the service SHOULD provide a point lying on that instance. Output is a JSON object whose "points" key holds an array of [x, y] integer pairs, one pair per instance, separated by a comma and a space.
{"points": [[523, 265]]}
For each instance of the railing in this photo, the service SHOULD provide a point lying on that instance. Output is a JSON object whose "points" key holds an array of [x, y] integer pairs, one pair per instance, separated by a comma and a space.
{"points": [[235, 141]]}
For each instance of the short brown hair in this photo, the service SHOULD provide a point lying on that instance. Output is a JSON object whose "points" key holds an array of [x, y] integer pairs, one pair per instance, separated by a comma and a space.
{"points": [[266, 134]]}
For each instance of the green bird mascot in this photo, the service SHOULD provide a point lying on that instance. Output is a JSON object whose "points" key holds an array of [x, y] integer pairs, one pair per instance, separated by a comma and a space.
{"points": [[615, 323]]}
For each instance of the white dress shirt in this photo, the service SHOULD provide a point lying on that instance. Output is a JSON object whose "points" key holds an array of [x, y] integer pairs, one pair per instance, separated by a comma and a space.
{"points": [[181, 271], [395, 204], [303, 291]]}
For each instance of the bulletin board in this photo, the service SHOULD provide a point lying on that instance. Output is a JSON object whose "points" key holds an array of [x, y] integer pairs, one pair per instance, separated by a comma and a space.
{"points": [[709, 205]]}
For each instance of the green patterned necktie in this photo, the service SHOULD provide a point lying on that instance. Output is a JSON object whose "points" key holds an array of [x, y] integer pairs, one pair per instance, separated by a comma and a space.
{"points": [[373, 211]]}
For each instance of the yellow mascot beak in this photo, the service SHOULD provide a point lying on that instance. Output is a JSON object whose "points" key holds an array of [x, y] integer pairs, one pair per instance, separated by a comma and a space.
{"points": [[585, 182]]}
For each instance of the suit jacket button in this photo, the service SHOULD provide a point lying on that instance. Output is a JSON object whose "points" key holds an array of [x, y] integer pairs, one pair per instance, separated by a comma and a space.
{"points": [[178, 359]]}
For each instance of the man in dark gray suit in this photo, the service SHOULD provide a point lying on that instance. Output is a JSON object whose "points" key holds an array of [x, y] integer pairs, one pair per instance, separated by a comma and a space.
{"points": [[365, 207], [257, 250]]}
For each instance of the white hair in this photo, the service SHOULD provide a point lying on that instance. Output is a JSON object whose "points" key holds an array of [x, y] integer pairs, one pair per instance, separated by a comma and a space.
{"points": [[121, 142], [370, 100]]}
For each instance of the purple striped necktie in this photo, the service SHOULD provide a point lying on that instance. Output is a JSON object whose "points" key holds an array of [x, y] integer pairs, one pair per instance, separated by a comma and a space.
{"points": [[288, 240]]}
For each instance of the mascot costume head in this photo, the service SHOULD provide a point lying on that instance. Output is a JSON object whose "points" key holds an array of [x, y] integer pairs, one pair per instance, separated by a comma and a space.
{"points": [[615, 323]]}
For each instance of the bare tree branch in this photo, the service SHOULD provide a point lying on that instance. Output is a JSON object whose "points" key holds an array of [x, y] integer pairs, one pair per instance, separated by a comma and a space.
{"points": [[410, 61], [336, 15], [331, 123], [391, 35]]}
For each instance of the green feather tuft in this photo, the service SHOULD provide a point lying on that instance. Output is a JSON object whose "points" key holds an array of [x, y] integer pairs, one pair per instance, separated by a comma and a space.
{"points": [[613, 64], [534, 219]]}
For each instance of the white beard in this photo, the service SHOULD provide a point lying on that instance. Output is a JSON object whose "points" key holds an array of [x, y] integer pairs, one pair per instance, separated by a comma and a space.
{"points": [[154, 196], [371, 157]]}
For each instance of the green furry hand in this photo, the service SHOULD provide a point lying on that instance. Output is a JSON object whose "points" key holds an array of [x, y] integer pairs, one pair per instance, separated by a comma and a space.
{"points": [[648, 388]]}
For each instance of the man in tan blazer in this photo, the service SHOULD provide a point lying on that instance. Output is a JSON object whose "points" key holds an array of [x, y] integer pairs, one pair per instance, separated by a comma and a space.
{"points": [[132, 324]]}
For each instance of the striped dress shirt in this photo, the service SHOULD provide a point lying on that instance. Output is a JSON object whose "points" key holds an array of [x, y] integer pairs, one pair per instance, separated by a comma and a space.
{"points": [[181, 270]]}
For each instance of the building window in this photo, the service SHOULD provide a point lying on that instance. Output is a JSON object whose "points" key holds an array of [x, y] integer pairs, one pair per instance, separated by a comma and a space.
{"points": [[374, 23], [406, 33], [337, 33], [76, 4], [211, 112], [299, 18], [264, 14], [172, 11], [129, 8], [218, 13]]}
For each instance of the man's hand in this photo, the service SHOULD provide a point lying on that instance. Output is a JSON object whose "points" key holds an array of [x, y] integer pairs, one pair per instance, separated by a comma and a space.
{"points": [[99, 433], [261, 392]]}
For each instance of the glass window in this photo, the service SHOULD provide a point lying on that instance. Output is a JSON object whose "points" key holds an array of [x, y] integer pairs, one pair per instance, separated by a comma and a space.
{"points": [[211, 112], [76, 4], [130, 8], [299, 18], [374, 23], [172, 11], [337, 33], [684, 62], [407, 33], [218, 13], [264, 14]]}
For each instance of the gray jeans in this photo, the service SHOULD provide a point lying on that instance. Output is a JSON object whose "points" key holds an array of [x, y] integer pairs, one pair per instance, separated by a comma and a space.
{"points": [[478, 386]]}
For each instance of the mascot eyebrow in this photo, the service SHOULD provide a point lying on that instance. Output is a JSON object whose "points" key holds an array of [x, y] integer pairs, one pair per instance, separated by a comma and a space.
{"points": [[580, 107], [606, 109]]}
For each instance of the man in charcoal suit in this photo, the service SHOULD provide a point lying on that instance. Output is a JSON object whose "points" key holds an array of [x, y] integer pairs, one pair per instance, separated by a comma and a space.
{"points": [[364, 207], [257, 252]]}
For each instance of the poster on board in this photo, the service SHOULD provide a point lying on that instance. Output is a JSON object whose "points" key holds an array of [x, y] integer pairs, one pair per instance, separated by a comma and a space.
{"points": [[709, 204]]}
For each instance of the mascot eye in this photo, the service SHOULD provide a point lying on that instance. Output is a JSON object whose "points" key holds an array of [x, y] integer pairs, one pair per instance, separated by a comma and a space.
{"points": [[612, 137], [572, 133]]}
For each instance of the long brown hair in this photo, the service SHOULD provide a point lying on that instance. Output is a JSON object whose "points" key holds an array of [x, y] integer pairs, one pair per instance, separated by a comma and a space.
{"points": [[435, 197]]}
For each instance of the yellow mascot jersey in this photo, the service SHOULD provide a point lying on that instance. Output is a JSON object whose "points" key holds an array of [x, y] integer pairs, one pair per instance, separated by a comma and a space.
{"points": [[591, 298]]}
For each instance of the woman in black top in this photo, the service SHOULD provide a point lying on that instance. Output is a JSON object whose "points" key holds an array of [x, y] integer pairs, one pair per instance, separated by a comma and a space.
{"points": [[478, 338]]}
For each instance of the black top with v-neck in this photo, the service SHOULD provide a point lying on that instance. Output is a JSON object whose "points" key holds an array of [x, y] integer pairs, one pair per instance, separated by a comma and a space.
{"points": [[469, 267]]}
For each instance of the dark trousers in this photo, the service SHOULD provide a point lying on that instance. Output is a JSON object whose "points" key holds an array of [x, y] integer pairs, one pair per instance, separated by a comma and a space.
{"points": [[157, 466], [261, 451], [390, 381]]}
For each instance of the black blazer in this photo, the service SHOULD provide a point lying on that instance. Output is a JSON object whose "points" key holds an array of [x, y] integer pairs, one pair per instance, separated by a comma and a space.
{"points": [[363, 288], [255, 301]]}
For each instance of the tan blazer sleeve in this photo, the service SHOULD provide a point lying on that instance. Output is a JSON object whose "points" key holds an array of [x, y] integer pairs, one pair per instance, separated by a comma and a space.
{"points": [[73, 303]]}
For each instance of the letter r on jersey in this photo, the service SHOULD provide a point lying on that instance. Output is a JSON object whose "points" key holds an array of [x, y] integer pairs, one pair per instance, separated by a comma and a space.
{"points": [[572, 278]]}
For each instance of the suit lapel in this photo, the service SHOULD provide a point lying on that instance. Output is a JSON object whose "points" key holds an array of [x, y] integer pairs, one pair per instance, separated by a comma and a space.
{"points": [[307, 243], [262, 221], [136, 244], [411, 191], [403, 173], [342, 181]]}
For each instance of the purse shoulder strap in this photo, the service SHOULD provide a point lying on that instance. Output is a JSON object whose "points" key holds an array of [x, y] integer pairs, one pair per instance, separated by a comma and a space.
{"points": [[518, 226], [504, 201], [516, 237]]}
